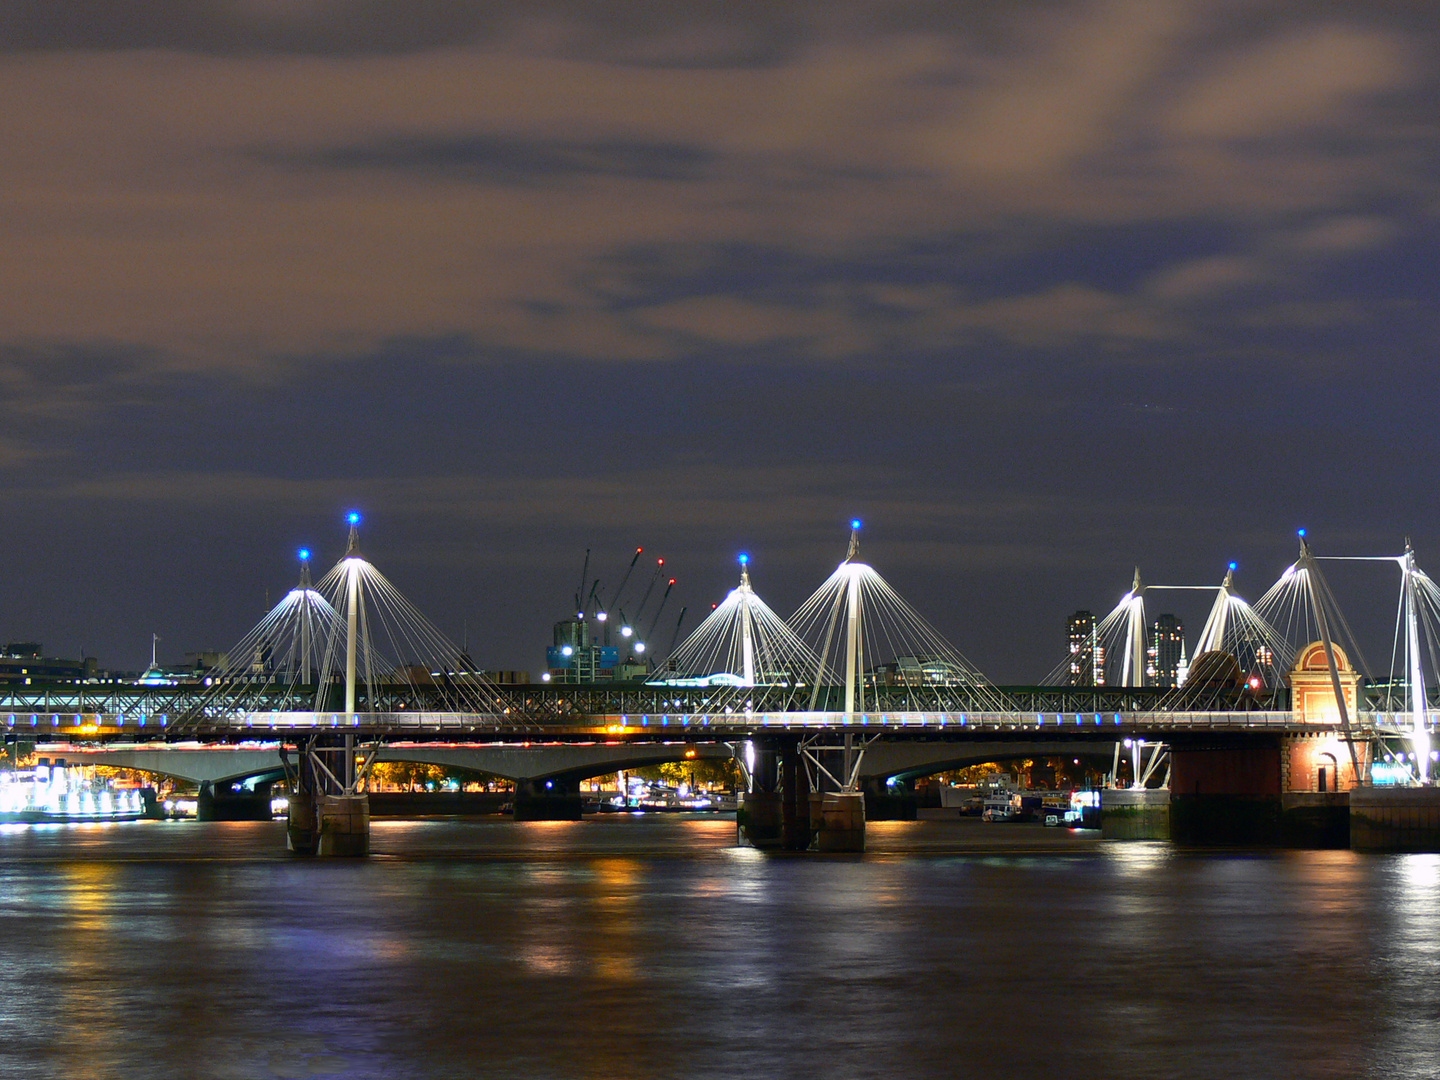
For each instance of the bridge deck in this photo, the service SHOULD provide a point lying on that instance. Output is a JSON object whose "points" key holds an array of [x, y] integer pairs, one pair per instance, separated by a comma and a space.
{"points": [[469, 726]]}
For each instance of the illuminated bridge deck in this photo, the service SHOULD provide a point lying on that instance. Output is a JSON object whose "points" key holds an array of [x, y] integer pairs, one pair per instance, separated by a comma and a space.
{"points": [[470, 726]]}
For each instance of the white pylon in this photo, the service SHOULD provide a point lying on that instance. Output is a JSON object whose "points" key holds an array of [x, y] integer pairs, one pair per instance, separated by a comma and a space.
{"points": [[1415, 673], [352, 611], [853, 660], [1133, 672], [740, 646], [747, 624], [882, 648], [1212, 637]]}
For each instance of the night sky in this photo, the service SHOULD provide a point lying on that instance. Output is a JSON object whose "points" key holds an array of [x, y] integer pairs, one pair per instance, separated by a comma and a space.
{"points": [[1041, 291]]}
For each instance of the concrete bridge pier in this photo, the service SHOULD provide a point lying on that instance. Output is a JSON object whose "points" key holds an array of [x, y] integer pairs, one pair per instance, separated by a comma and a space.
{"points": [[342, 825], [302, 832], [328, 816], [760, 817], [1225, 790], [838, 816], [842, 822], [231, 801], [547, 800], [798, 817]]}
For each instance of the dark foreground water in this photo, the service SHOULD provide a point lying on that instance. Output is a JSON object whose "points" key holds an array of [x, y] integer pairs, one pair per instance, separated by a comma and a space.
{"points": [[655, 948]]}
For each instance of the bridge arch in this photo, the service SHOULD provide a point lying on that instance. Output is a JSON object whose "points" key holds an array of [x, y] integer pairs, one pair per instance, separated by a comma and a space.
{"points": [[911, 760], [565, 764]]}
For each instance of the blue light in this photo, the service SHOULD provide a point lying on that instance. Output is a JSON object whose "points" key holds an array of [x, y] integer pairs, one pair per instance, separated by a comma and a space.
{"points": [[855, 523], [305, 553], [744, 559], [1234, 566], [353, 517], [1302, 532]]}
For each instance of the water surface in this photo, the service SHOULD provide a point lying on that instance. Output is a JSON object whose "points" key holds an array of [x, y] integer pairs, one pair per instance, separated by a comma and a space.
{"points": [[647, 948]]}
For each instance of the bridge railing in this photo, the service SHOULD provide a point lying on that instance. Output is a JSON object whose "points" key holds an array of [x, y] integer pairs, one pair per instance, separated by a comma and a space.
{"points": [[1008, 721], [50, 725]]}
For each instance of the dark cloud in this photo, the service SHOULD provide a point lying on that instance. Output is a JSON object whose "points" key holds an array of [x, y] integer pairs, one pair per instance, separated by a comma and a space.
{"points": [[507, 160]]}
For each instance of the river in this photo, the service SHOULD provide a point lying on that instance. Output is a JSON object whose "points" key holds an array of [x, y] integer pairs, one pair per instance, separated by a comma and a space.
{"points": [[655, 948]]}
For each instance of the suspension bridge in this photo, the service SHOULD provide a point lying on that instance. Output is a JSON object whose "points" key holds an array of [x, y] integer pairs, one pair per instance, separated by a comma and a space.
{"points": [[854, 690]]}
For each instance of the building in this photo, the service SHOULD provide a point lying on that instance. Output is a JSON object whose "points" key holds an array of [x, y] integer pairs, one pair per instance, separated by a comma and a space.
{"points": [[1087, 655], [23, 663], [1165, 652], [574, 659]]}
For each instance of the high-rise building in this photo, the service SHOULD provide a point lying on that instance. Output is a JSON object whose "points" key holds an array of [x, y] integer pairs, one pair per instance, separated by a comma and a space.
{"points": [[1087, 655], [1165, 651]]}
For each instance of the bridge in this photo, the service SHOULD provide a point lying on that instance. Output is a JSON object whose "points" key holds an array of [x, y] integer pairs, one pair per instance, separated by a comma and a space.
{"points": [[811, 708]]}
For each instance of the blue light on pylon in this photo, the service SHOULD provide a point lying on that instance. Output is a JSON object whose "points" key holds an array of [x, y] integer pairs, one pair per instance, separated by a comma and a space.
{"points": [[1234, 566], [744, 559], [1300, 532], [305, 554], [855, 523], [353, 517]]}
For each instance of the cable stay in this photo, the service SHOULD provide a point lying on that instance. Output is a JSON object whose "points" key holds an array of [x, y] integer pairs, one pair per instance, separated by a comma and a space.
{"points": [[745, 653], [887, 657]]}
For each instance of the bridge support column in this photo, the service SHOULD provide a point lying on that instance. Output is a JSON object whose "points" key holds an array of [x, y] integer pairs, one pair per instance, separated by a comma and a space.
{"points": [[798, 824], [1225, 791], [547, 800], [760, 817], [301, 830], [343, 825], [230, 802], [842, 822]]}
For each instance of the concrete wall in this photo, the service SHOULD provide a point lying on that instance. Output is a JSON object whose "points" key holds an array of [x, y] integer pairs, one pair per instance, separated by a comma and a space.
{"points": [[1135, 814], [1395, 819]]}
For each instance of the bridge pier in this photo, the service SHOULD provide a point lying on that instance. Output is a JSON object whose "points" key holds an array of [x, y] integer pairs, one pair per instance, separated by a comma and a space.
{"points": [[842, 822], [342, 826], [1225, 790], [547, 800], [301, 830], [760, 817], [222, 801], [329, 817], [797, 817]]}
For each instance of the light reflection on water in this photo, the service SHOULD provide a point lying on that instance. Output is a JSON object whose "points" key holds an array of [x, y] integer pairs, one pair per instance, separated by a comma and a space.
{"points": [[655, 948]]}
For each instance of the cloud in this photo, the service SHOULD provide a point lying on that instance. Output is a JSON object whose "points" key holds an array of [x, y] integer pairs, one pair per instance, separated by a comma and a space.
{"points": [[1342, 235], [510, 159], [1203, 278], [1065, 313], [251, 189], [1065, 96], [1309, 78]]}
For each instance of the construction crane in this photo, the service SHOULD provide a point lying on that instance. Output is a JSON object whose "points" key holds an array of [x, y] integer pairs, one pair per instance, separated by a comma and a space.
{"points": [[675, 637], [640, 645]]}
